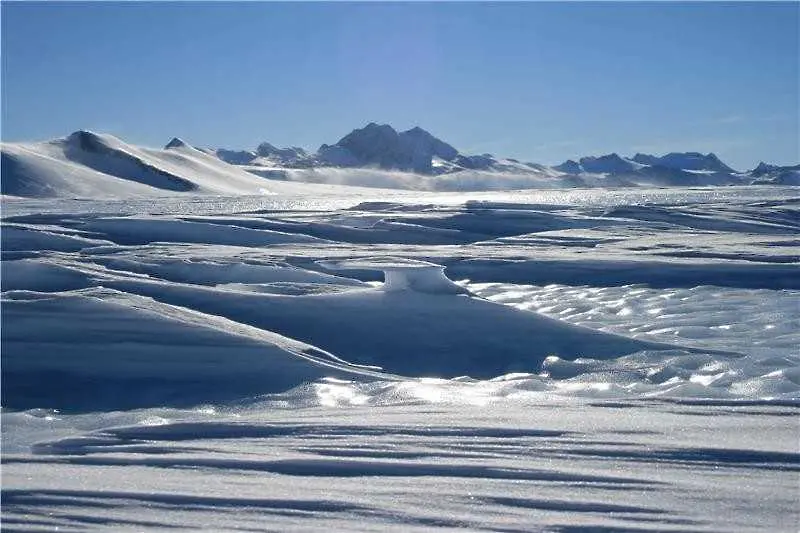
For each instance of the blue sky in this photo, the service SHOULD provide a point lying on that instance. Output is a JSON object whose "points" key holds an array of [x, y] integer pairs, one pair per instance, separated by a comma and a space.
{"points": [[538, 81]]}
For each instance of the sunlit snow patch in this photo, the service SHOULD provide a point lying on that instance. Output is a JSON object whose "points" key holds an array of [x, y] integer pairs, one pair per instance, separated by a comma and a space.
{"points": [[402, 274]]}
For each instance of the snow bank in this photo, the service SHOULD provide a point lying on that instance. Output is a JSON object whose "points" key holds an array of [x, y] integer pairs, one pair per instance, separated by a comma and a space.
{"points": [[402, 274], [26, 238], [100, 349], [138, 230], [434, 331]]}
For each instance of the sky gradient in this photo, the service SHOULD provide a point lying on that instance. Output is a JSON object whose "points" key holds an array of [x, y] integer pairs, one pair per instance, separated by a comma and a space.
{"points": [[537, 81]]}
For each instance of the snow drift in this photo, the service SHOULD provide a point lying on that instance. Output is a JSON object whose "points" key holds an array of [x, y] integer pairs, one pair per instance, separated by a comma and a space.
{"points": [[131, 352]]}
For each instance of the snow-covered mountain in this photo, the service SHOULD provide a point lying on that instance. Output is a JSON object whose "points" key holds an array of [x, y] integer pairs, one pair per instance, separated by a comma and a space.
{"points": [[381, 147], [264, 155], [93, 165], [673, 169], [90, 165], [766, 174], [684, 161]]}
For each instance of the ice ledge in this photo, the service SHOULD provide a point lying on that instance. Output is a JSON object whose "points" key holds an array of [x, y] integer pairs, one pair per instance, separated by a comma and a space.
{"points": [[402, 274]]}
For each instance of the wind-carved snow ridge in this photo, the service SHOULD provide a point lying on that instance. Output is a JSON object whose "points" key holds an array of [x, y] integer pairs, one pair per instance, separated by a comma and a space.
{"points": [[402, 274]]}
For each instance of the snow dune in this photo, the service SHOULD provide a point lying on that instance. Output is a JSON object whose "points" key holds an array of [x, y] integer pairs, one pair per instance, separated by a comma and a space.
{"points": [[131, 351]]}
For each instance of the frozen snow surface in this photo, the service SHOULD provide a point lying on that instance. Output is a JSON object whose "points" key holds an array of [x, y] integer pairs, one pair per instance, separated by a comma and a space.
{"points": [[310, 357]]}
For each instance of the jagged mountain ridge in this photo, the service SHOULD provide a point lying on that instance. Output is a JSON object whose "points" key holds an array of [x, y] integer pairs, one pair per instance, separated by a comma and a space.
{"points": [[416, 150], [766, 174], [413, 150], [685, 161], [381, 146], [88, 165]]}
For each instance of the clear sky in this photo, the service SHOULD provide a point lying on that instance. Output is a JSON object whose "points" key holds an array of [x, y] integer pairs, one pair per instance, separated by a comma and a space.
{"points": [[538, 81]]}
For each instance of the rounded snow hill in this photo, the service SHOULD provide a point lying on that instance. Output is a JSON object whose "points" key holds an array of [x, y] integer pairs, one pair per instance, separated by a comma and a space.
{"points": [[93, 165]]}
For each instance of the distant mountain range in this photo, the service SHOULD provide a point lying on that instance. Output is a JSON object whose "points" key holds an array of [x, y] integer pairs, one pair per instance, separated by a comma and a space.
{"points": [[416, 150], [89, 165]]}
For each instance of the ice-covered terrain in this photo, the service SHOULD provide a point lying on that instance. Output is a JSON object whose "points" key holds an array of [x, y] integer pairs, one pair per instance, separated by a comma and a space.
{"points": [[308, 357]]}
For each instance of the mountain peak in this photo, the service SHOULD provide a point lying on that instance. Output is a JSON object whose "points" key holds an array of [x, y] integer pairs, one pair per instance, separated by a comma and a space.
{"points": [[570, 166], [91, 141], [266, 149], [764, 167], [176, 142], [416, 130], [612, 163], [382, 145], [694, 161], [84, 135], [374, 126], [645, 159]]}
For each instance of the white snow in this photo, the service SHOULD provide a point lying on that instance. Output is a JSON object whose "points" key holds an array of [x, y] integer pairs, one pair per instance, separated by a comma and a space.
{"points": [[92, 165], [326, 358], [402, 274]]}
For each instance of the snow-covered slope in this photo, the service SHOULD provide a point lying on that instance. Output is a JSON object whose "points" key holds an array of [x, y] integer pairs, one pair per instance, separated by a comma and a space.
{"points": [[152, 344], [92, 165], [164, 274]]}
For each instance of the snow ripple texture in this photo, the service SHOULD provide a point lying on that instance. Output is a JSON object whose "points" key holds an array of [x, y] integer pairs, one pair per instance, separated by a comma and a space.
{"points": [[560, 361]]}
